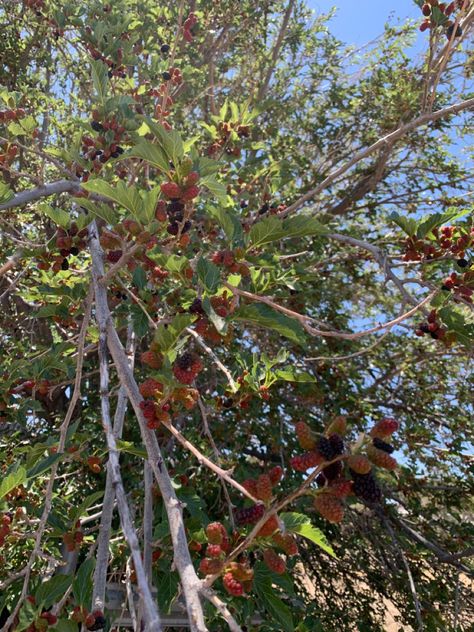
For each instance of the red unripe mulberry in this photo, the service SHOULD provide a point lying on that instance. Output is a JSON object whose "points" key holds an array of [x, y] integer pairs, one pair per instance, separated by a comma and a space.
{"points": [[274, 561], [384, 428], [264, 487], [171, 190], [305, 436], [329, 507]]}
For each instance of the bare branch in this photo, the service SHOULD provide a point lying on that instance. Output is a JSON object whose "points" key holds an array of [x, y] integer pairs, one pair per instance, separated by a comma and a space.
{"points": [[427, 117], [31, 195]]}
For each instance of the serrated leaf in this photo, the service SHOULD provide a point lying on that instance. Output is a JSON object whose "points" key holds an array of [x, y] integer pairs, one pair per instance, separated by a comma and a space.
{"points": [[272, 603], [300, 524], [27, 615], [101, 210], [100, 79], [126, 196], [12, 480], [209, 274], [52, 590], [59, 217], [407, 224], [153, 154], [82, 584], [265, 316], [218, 189], [167, 336], [228, 221], [302, 226], [264, 232], [139, 277], [169, 140]]}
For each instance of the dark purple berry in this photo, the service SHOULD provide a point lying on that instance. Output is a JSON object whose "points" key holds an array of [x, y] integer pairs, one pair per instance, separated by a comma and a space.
{"points": [[381, 445]]}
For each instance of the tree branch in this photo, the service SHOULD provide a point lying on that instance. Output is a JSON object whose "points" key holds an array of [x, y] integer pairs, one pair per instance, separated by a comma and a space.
{"points": [[189, 580], [31, 195], [427, 117]]}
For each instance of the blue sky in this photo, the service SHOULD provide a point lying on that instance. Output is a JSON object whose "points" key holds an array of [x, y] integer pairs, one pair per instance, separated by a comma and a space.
{"points": [[359, 21]]}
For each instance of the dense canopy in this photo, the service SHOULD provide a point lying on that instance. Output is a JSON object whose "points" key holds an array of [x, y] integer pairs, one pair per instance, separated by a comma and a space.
{"points": [[236, 320]]}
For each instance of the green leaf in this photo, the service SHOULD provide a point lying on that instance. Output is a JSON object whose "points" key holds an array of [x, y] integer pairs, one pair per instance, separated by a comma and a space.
{"points": [[169, 140], [265, 316], [168, 586], [300, 524], [59, 217], [51, 591], [303, 226], [103, 211], [149, 201], [81, 510], [6, 193], [167, 337], [128, 446], [266, 231], [100, 79], [270, 601], [12, 480], [407, 224], [126, 196], [82, 584], [228, 221], [27, 615], [209, 274], [289, 374], [153, 154], [43, 465], [438, 17], [216, 188], [139, 277]]}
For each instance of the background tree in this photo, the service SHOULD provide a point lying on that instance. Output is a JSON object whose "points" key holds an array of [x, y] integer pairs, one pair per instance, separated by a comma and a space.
{"points": [[234, 251]]}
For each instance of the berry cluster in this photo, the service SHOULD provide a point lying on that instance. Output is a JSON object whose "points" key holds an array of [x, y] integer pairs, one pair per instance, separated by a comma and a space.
{"points": [[453, 240], [237, 576], [431, 327], [444, 11], [69, 243], [187, 367], [105, 146], [351, 475], [461, 285], [229, 259], [116, 67], [92, 620], [178, 196], [73, 539], [12, 115], [228, 133]]}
